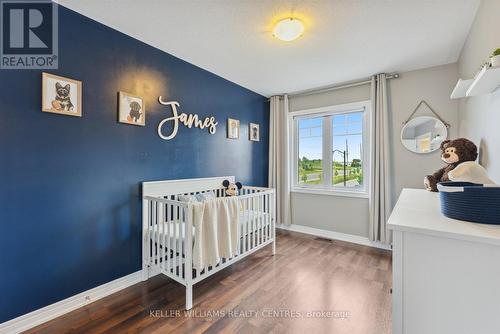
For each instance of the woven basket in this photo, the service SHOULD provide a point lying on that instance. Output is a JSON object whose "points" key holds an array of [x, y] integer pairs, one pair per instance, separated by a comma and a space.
{"points": [[470, 202]]}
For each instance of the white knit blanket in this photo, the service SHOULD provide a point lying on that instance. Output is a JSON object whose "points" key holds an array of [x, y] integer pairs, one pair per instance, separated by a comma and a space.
{"points": [[216, 224]]}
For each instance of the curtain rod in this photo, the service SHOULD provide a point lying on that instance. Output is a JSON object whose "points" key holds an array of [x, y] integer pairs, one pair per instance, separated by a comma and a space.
{"points": [[339, 86]]}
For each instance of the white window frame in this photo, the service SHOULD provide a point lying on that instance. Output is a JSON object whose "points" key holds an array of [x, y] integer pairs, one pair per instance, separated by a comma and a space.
{"points": [[328, 189]]}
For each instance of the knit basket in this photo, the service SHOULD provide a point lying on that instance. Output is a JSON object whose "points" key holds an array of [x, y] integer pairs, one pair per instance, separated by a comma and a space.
{"points": [[470, 202]]}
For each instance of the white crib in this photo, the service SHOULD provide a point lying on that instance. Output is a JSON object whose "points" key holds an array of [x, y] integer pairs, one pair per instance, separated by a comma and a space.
{"points": [[166, 222]]}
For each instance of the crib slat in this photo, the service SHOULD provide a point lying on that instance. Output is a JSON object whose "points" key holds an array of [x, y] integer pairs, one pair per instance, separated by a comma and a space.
{"points": [[256, 219], [171, 240], [241, 228], [179, 241], [176, 231], [158, 250], [259, 220], [268, 215], [168, 238], [264, 218], [244, 224], [253, 222], [152, 240], [182, 240], [161, 237], [153, 227], [248, 224], [148, 234], [155, 232], [158, 234]]}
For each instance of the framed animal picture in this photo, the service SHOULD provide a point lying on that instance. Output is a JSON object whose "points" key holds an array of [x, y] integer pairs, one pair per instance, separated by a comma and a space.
{"points": [[254, 132], [131, 109], [61, 95], [233, 128]]}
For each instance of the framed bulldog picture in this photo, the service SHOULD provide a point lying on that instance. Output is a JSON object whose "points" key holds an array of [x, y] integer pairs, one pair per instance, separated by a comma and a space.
{"points": [[254, 132], [131, 109], [61, 95]]}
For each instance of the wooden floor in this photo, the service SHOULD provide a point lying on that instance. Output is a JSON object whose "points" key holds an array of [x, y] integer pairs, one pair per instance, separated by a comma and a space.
{"points": [[265, 293]]}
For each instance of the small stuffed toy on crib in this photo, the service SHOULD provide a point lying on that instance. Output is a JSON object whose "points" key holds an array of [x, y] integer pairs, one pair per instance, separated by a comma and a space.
{"points": [[232, 189]]}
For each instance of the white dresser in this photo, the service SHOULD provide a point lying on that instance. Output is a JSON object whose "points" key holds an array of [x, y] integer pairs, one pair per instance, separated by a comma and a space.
{"points": [[446, 273]]}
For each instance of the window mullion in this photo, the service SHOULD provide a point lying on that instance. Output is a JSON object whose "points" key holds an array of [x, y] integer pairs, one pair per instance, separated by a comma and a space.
{"points": [[327, 150]]}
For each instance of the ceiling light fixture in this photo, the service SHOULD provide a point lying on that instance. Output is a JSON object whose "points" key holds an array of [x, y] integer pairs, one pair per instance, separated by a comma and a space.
{"points": [[288, 29]]}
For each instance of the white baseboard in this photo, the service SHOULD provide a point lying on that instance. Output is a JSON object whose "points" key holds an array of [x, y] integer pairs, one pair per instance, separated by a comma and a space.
{"points": [[356, 239], [55, 310]]}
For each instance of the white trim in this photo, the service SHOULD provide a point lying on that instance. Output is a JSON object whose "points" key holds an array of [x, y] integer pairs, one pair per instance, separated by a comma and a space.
{"points": [[330, 192], [44, 314], [355, 239], [339, 108]]}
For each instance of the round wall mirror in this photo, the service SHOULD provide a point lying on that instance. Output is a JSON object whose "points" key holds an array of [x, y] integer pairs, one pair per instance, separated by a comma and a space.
{"points": [[423, 134]]}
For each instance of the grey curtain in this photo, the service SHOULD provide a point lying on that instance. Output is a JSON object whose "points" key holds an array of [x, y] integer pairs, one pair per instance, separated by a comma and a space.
{"points": [[279, 170], [380, 187]]}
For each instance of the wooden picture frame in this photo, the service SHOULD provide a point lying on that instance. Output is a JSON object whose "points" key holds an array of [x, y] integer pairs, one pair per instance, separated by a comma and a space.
{"points": [[131, 109], [233, 128], [254, 132], [61, 95]]}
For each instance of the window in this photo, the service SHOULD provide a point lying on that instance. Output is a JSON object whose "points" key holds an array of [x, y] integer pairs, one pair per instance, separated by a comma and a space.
{"points": [[310, 150], [331, 149]]}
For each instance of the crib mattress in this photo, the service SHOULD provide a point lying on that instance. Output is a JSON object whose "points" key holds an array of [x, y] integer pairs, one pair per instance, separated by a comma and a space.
{"points": [[156, 232]]}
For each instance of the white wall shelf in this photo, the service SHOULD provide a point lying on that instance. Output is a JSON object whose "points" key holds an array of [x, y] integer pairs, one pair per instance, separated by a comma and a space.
{"points": [[461, 88], [485, 82]]}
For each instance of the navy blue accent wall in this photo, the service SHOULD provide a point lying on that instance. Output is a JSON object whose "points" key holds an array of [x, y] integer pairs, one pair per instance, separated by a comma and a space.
{"points": [[70, 215]]}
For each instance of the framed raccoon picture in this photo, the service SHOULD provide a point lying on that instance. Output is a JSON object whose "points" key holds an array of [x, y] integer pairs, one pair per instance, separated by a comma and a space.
{"points": [[131, 109], [61, 95]]}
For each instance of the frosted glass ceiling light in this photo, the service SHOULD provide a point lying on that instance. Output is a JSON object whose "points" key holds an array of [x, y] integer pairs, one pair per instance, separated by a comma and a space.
{"points": [[288, 29]]}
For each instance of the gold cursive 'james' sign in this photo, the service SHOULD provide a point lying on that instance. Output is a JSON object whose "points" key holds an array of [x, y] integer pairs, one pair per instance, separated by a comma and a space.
{"points": [[189, 120]]}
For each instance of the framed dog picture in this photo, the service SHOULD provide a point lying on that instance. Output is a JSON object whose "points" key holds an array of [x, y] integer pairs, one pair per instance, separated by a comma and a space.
{"points": [[233, 128], [254, 132], [131, 109], [61, 95]]}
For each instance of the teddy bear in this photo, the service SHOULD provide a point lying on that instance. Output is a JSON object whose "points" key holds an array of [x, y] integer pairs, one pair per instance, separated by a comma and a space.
{"points": [[232, 188], [453, 152]]}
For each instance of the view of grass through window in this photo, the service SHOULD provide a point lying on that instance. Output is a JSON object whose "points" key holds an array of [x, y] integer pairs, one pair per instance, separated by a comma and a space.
{"points": [[346, 155], [311, 150]]}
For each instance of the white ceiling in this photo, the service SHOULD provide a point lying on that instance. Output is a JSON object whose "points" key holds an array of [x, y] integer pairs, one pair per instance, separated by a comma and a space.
{"points": [[344, 39]]}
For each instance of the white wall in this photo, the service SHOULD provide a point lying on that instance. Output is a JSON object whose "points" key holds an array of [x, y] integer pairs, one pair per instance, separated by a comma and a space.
{"points": [[479, 116], [350, 215]]}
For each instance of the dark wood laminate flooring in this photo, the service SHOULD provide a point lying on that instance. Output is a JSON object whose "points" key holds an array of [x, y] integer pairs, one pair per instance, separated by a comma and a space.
{"points": [[311, 285]]}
